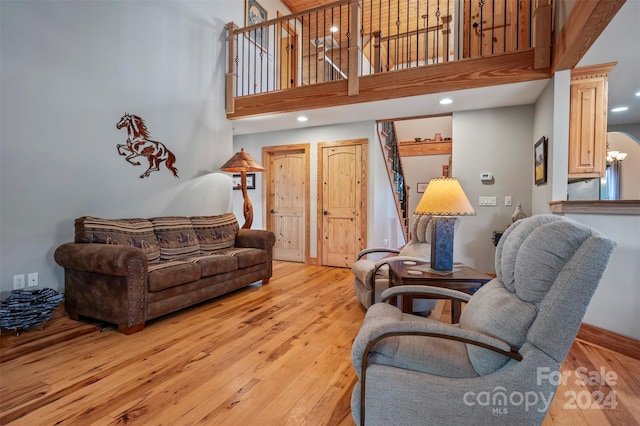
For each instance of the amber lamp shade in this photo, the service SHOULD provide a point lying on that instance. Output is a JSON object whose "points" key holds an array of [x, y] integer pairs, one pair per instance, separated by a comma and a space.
{"points": [[443, 199]]}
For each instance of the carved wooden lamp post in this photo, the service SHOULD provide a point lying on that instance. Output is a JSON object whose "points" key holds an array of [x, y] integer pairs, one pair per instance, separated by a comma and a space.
{"points": [[242, 163]]}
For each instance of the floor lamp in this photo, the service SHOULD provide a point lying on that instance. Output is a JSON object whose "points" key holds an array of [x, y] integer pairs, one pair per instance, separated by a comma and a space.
{"points": [[241, 162], [443, 199]]}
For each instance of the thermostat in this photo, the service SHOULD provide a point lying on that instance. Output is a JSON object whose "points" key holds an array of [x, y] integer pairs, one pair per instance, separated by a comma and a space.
{"points": [[486, 176]]}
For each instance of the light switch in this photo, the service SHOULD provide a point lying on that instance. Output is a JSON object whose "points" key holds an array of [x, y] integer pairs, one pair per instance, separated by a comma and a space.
{"points": [[488, 201]]}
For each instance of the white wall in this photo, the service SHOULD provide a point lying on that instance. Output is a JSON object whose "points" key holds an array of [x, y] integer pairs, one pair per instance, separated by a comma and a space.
{"points": [[559, 148], [69, 71], [614, 305], [499, 141], [380, 200], [632, 129], [543, 126]]}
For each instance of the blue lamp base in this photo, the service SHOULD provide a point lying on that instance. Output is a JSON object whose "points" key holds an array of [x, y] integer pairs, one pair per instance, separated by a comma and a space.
{"points": [[442, 243]]}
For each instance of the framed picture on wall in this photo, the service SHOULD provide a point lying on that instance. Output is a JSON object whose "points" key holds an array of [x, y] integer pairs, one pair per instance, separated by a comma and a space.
{"points": [[422, 186], [540, 161], [251, 181], [256, 14]]}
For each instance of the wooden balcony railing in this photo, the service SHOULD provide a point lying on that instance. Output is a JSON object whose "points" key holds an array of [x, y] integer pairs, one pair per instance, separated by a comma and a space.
{"points": [[343, 43]]}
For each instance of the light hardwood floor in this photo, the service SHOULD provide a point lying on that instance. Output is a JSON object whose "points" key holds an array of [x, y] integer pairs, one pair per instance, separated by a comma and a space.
{"points": [[277, 354]]}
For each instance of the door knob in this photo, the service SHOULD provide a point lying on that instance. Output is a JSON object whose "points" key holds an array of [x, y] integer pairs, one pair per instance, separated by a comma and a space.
{"points": [[325, 212], [273, 211]]}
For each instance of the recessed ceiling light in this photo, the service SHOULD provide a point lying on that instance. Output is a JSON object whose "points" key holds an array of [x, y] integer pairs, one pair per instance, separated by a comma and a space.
{"points": [[637, 93], [445, 101], [619, 109], [302, 118]]}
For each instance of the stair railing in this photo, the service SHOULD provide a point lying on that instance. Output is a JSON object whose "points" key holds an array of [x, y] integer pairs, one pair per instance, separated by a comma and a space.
{"points": [[391, 154]]}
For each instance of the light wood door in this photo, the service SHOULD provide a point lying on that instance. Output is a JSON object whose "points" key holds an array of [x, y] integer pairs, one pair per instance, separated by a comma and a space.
{"points": [[287, 200], [288, 57], [495, 27], [343, 202]]}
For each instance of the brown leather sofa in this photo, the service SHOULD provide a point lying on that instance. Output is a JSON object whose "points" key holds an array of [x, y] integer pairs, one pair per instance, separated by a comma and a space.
{"points": [[127, 271]]}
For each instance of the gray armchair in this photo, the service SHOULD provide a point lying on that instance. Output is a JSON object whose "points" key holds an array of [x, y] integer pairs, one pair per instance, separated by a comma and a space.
{"points": [[371, 277], [497, 365]]}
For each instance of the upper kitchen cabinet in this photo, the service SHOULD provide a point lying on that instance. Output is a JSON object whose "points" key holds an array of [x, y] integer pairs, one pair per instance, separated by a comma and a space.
{"points": [[588, 121]]}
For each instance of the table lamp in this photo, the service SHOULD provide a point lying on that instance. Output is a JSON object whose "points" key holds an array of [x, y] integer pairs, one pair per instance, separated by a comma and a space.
{"points": [[443, 199], [241, 162]]}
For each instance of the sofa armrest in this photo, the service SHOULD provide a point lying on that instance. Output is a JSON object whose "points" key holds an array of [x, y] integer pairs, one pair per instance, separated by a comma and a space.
{"points": [[106, 282], [255, 238], [105, 259]]}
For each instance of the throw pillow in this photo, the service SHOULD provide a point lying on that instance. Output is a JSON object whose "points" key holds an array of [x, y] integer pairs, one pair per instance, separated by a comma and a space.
{"points": [[215, 232], [175, 236], [126, 232]]}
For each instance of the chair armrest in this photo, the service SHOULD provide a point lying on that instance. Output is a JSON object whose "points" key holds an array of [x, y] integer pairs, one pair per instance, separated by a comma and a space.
{"points": [[376, 250], [368, 336], [108, 259], [386, 260], [374, 331], [424, 290]]}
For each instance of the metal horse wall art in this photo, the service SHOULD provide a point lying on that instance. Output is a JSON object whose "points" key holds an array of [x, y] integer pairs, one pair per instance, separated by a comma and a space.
{"points": [[139, 145]]}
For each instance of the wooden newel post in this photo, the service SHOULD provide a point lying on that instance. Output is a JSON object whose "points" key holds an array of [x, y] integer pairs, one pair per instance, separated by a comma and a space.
{"points": [[354, 50], [542, 25], [231, 72], [377, 58]]}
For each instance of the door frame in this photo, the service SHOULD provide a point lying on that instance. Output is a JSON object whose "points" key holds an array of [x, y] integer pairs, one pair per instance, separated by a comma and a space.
{"points": [[363, 188], [267, 151]]}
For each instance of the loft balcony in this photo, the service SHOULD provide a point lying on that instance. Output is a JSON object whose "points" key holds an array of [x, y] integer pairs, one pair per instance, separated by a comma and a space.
{"points": [[353, 51]]}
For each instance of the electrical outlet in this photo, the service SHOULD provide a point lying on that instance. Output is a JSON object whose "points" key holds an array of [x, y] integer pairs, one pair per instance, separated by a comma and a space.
{"points": [[32, 279], [507, 200], [18, 282]]}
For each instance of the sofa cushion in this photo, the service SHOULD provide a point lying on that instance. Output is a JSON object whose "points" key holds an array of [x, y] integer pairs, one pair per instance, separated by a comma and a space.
{"points": [[176, 237], [167, 274], [213, 264], [215, 232], [246, 256], [125, 232]]}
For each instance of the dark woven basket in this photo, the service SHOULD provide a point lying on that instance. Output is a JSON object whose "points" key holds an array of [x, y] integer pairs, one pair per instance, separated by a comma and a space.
{"points": [[24, 309]]}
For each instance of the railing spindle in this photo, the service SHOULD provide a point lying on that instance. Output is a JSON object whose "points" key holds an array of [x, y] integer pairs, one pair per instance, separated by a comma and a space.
{"points": [[426, 37], [446, 53]]}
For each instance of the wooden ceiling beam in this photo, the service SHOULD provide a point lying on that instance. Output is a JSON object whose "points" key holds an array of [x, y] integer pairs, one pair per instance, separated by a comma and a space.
{"points": [[586, 21]]}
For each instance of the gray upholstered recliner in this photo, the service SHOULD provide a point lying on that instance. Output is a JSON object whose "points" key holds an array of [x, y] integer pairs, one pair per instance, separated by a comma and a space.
{"points": [[371, 277], [497, 365]]}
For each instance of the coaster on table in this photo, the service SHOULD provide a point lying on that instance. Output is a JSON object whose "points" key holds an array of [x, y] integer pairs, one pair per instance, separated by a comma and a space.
{"points": [[413, 272], [409, 262]]}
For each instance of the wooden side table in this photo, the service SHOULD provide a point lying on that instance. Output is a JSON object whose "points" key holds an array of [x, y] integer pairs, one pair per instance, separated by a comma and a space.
{"points": [[463, 278]]}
